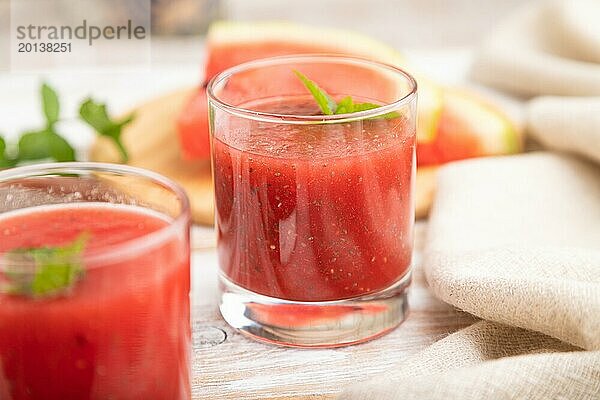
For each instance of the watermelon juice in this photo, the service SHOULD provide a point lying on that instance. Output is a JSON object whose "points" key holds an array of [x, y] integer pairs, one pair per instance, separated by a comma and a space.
{"points": [[314, 212], [314, 165], [121, 330]]}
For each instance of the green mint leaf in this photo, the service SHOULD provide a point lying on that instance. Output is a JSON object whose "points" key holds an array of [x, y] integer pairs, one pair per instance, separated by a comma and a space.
{"points": [[390, 115], [5, 160], [45, 144], [364, 107], [371, 106], [7, 163], [33, 146], [3, 155], [345, 106], [46, 271], [327, 105], [95, 115], [50, 105], [358, 107]]}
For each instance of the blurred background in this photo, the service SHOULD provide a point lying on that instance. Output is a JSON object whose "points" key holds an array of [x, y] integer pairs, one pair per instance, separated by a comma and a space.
{"points": [[420, 24], [402, 23], [411, 23], [437, 34]]}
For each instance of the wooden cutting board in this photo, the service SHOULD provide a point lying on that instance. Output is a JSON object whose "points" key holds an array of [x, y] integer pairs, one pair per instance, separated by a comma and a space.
{"points": [[152, 142]]}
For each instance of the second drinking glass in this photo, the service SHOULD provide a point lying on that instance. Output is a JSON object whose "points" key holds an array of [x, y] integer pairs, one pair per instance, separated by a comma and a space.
{"points": [[314, 197]]}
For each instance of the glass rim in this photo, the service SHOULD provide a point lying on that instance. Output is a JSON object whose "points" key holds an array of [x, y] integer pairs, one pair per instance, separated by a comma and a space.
{"points": [[121, 250], [309, 119]]}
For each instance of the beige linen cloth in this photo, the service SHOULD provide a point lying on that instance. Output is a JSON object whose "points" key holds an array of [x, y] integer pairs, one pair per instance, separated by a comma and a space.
{"points": [[550, 49], [516, 241], [546, 47]]}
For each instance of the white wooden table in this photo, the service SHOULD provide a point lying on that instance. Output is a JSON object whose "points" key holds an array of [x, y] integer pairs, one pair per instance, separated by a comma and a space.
{"points": [[228, 365]]}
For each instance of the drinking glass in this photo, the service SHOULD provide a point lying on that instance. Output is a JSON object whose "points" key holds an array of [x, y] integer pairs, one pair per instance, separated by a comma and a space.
{"points": [[94, 284], [314, 212]]}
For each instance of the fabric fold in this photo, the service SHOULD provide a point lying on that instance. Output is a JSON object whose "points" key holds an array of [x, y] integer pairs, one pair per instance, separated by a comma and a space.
{"points": [[548, 47], [514, 240], [566, 124], [489, 361]]}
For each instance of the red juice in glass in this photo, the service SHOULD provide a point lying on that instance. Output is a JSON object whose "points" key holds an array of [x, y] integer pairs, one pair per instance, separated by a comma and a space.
{"points": [[314, 213], [121, 329]]}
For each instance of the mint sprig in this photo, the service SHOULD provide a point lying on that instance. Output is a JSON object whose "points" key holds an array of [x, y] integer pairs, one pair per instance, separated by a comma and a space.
{"points": [[46, 143], [326, 103], [5, 160], [50, 105], [95, 115], [346, 105], [45, 271]]}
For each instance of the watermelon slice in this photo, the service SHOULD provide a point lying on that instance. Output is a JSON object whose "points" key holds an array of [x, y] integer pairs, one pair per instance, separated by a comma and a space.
{"points": [[192, 126], [452, 125], [469, 127], [232, 43]]}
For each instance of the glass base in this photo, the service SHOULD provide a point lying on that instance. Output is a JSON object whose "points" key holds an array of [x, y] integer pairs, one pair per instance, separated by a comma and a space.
{"points": [[314, 324]]}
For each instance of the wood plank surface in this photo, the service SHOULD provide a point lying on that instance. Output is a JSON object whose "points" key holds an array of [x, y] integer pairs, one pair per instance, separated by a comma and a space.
{"points": [[227, 365]]}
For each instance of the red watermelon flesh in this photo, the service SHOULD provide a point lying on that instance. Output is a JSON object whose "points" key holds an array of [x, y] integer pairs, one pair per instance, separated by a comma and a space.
{"points": [[453, 142], [261, 83], [222, 57], [469, 127], [452, 125], [192, 127], [336, 79]]}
